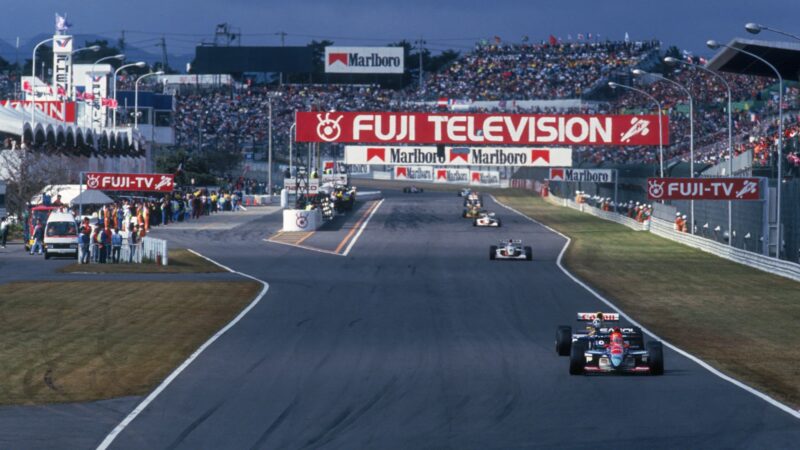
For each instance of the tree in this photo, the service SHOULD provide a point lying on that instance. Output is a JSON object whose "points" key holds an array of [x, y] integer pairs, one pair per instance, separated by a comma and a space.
{"points": [[89, 57], [44, 58], [202, 166], [26, 173]]}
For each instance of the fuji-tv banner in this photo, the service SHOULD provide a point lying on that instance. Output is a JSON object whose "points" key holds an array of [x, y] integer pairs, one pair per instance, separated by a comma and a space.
{"points": [[703, 189], [484, 177], [582, 175], [138, 182], [451, 175], [460, 156], [419, 173], [478, 129], [364, 60]]}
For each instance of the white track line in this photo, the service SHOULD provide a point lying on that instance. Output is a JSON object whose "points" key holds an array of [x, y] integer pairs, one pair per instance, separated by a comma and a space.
{"points": [[289, 244], [149, 399], [703, 364], [361, 230]]}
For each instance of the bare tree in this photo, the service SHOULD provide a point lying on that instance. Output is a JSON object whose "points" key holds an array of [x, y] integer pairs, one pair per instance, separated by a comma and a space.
{"points": [[26, 173]]}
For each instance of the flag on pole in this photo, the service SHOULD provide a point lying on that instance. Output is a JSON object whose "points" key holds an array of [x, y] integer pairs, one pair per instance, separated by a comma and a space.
{"points": [[553, 40], [61, 23]]}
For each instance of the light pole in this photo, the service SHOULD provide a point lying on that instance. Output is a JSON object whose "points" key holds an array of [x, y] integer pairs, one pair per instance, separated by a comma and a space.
{"points": [[136, 97], [139, 64], [93, 48], [640, 72], [715, 45], [269, 158], [94, 64], [291, 140], [614, 85], [756, 28], [33, 88], [672, 61]]}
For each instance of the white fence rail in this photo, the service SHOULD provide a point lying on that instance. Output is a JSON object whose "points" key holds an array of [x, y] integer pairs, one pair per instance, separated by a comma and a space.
{"points": [[155, 249], [785, 269], [597, 212], [665, 229]]}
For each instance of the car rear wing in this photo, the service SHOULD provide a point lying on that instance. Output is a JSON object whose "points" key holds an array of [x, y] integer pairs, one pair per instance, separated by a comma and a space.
{"points": [[514, 241], [588, 317]]}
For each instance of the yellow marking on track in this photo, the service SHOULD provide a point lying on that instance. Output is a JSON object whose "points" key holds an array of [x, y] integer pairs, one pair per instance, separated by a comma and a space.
{"points": [[290, 237], [355, 228]]}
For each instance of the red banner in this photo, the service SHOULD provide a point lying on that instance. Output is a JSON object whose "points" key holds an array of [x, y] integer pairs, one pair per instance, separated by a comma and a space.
{"points": [[452, 128], [138, 182], [61, 111], [703, 189]]}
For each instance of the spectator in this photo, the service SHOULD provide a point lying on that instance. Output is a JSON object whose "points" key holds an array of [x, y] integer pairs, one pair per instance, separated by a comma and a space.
{"points": [[38, 238], [116, 243], [4, 225]]}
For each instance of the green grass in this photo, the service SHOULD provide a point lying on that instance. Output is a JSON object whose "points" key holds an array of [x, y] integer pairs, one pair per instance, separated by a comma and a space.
{"points": [[90, 340], [738, 319], [180, 261]]}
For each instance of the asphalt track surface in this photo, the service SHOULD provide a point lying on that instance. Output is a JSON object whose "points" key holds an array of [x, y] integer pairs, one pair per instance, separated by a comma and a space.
{"points": [[417, 340]]}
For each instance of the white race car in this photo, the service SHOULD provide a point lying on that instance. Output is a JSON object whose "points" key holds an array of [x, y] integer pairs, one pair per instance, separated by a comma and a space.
{"points": [[485, 219], [511, 249]]}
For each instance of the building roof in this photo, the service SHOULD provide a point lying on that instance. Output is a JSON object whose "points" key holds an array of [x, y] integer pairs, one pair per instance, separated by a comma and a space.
{"points": [[785, 56]]}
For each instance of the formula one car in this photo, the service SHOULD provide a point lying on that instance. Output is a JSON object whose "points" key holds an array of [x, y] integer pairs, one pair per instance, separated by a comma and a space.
{"points": [[412, 190], [474, 199], [472, 212], [606, 349], [464, 192], [510, 249], [485, 219]]}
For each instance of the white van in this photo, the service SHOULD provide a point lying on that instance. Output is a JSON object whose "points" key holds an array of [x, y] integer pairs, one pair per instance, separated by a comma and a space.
{"points": [[61, 235]]}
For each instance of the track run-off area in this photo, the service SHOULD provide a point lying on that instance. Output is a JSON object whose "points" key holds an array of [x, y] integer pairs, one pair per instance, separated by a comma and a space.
{"points": [[415, 339]]}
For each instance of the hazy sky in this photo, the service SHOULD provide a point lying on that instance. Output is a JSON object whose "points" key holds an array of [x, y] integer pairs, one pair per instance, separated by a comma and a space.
{"points": [[444, 23]]}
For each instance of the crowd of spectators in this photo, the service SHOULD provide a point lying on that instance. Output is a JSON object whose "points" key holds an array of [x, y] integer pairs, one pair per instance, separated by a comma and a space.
{"points": [[236, 117], [534, 71]]}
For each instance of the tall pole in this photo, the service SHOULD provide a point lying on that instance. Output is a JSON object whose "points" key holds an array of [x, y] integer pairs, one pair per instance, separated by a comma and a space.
{"points": [[713, 45], [136, 97], [114, 89], [691, 131], [94, 100], [269, 162], [291, 140], [33, 88], [655, 101], [419, 51]]}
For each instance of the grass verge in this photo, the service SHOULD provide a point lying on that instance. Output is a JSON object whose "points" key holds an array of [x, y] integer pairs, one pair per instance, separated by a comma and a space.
{"points": [[740, 320], [180, 261], [91, 340]]}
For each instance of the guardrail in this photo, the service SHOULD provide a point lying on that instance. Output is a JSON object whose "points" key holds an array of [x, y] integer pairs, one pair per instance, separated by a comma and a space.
{"points": [[154, 249], [666, 230], [597, 212]]}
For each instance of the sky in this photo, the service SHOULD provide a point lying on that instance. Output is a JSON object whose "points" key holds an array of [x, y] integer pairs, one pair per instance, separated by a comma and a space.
{"points": [[456, 24]]}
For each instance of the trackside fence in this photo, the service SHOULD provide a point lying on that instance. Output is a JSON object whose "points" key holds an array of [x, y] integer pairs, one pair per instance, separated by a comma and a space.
{"points": [[154, 250], [666, 230]]}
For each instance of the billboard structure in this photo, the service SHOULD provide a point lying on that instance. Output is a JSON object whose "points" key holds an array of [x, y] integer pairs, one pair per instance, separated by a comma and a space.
{"points": [[379, 60], [227, 60]]}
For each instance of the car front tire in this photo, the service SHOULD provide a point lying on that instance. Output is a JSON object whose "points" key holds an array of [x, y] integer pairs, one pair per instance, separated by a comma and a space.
{"points": [[655, 358], [577, 360], [563, 340]]}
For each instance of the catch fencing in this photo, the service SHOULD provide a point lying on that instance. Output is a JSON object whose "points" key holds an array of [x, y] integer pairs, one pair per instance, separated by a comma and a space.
{"points": [[666, 229], [154, 250]]}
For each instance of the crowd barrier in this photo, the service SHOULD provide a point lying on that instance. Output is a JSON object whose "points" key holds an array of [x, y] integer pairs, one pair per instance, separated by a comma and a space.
{"points": [[147, 249], [154, 250], [665, 229]]}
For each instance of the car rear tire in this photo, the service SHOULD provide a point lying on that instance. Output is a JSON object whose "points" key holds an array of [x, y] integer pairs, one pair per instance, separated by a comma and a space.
{"points": [[577, 360], [655, 358], [46, 255], [492, 252], [563, 340], [464, 213], [475, 223], [528, 253], [499, 223]]}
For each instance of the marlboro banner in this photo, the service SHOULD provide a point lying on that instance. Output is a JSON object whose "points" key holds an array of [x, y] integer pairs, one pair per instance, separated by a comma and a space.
{"points": [[585, 175], [419, 173], [452, 175], [134, 182], [703, 189], [478, 129], [459, 156], [484, 178]]}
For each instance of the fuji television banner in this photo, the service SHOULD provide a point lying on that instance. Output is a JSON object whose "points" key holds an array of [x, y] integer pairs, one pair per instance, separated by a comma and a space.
{"points": [[704, 189], [418, 173], [484, 178], [387, 60], [477, 129], [582, 175], [452, 175], [459, 156]]}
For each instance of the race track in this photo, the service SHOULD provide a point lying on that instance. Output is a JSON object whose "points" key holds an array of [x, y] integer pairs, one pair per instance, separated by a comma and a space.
{"points": [[417, 340]]}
